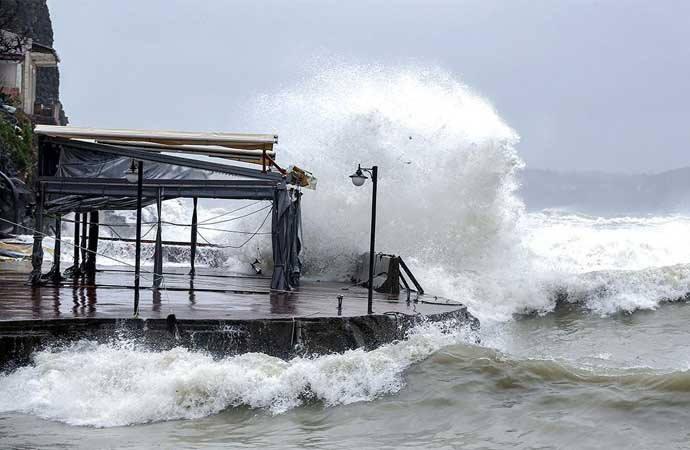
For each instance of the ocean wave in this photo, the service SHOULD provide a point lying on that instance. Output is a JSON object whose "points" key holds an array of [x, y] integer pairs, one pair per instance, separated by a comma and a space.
{"points": [[614, 291], [122, 383], [499, 370]]}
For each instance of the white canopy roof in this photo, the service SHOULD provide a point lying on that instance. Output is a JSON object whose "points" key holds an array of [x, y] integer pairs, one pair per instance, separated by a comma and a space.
{"points": [[173, 138]]}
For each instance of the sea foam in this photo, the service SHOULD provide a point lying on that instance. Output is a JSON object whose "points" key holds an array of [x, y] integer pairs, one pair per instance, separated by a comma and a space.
{"points": [[121, 383]]}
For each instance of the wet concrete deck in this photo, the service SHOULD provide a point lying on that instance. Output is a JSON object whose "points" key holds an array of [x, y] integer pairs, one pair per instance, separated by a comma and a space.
{"points": [[212, 312], [210, 295]]}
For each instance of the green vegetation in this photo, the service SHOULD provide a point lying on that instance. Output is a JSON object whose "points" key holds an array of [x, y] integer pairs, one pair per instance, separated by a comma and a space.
{"points": [[17, 145]]}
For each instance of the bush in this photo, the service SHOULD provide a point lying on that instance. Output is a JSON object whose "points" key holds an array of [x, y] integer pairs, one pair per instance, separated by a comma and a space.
{"points": [[17, 145]]}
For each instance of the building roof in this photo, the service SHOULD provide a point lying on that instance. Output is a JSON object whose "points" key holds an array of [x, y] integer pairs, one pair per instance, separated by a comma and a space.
{"points": [[43, 55]]}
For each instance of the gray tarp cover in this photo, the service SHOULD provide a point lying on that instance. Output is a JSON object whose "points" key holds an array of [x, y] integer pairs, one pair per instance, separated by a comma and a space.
{"points": [[78, 163], [287, 243]]}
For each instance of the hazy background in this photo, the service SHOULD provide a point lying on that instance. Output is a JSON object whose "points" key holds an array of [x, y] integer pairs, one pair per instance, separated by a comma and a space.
{"points": [[587, 84]]}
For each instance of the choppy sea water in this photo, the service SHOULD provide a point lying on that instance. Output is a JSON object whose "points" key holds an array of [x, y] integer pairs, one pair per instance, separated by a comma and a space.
{"points": [[576, 376], [584, 331], [567, 380]]}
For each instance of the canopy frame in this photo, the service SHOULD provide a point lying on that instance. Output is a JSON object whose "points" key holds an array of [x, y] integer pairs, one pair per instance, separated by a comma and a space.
{"points": [[93, 182]]}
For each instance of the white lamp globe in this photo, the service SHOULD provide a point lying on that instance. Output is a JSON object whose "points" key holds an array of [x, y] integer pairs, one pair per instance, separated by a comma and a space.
{"points": [[358, 178]]}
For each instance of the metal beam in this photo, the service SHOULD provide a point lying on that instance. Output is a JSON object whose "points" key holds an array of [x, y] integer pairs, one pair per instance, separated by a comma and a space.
{"points": [[162, 182], [412, 277], [108, 187]]}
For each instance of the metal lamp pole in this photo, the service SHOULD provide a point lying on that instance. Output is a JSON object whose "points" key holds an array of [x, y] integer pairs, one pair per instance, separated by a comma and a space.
{"points": [[358, 179], [136, 173]]}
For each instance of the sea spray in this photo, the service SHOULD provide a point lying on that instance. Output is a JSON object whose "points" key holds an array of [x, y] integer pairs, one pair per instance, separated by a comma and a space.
{"points": [[447, 164], [447, 201], [611, 265], [447, 183]]}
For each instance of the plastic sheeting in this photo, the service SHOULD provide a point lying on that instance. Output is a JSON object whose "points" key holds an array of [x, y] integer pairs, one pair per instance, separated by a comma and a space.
{"points": [[78, 163], [287, 243]]}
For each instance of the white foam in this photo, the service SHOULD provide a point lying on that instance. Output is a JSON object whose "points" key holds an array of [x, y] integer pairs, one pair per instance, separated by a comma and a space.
{"points": [[447, 164], [574, 243], [120, 384]]}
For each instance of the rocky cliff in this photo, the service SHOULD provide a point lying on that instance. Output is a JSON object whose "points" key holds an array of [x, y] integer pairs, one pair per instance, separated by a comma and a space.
{"points": [[32, 19]]}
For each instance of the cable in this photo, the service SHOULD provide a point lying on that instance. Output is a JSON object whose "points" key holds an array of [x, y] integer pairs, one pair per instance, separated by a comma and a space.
{"points": [[76, 245], [232, 231], [147, 232], [217, 222], [245, 242], [164, 285], [109, 226], [230, 212], [177, 224], [254, 234]]}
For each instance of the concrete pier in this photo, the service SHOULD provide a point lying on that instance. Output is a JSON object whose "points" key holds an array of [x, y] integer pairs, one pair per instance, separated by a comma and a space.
{"points": [[210, 311]]}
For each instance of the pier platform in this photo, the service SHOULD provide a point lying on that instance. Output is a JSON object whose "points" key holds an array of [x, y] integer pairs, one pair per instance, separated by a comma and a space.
{"points": [[214, 311]]}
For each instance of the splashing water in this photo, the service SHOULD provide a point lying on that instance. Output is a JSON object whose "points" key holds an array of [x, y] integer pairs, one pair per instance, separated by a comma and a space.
{"points": [[447, 204], [446, 162], [447, 201], [447, 177], [612, 264], [128, 384]]}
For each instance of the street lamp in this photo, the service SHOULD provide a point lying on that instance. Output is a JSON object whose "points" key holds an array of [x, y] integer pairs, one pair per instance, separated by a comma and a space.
{"points": [[131, 174], [358, 178]]}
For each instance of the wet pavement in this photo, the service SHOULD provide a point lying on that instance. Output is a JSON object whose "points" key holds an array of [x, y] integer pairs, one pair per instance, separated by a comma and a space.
{"points": [[209, 295]]}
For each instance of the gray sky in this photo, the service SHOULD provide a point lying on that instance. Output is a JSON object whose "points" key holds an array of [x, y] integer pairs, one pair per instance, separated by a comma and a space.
{"points": [[587, 84]]}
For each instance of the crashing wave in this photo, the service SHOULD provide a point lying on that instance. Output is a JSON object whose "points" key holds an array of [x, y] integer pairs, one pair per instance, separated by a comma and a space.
{"points": [[128, 384]]}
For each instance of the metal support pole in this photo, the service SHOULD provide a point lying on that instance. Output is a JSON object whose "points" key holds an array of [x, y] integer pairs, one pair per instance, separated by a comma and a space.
{"points": [[92, 247], [83, 243], [193, 239], [75, 264], [158, 251], [370, 299], [37, 251], [137, 256], [55, 271]]}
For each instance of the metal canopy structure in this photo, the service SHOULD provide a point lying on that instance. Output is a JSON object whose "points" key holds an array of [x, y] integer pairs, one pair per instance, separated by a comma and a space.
{"points": [[85, 170]]}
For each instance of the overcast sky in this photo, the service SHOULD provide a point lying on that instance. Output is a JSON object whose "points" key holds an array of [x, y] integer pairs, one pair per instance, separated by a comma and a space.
{"points": [[598, 85]]}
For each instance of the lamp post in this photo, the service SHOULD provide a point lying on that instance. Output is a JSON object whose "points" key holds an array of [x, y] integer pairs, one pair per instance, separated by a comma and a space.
{"points": [[358, 179], [136, 173]]}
